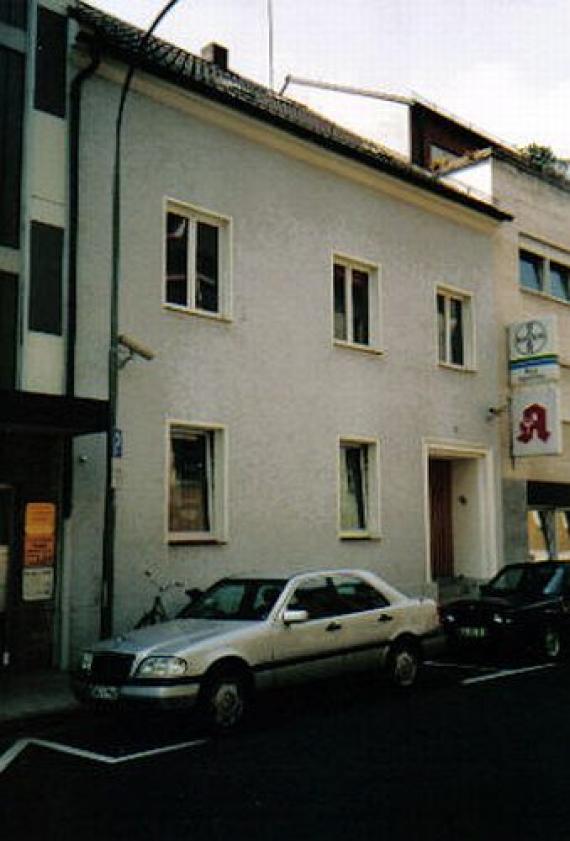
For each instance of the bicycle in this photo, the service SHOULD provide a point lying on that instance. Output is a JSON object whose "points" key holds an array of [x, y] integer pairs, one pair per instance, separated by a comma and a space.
{"points": [[157, 612]]}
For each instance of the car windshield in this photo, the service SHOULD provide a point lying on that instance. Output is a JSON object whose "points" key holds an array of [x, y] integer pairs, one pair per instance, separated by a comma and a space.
{"points": [[243, 599], [539, 580]]}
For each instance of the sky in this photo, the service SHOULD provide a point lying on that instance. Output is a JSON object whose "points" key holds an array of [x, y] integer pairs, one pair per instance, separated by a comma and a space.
{"points": [[502, 65]]}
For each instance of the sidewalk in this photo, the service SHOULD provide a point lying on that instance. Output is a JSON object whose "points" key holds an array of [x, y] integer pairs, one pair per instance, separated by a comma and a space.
{"points": [[25, 697]]}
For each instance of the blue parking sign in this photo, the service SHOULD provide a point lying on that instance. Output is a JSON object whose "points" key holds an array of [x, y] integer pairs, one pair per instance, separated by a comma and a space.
{"points": [[117, 443]]}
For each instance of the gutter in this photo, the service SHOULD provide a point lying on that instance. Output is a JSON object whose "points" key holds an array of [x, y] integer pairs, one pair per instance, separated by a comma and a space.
{"points": [[74, 128], [73, 173]]}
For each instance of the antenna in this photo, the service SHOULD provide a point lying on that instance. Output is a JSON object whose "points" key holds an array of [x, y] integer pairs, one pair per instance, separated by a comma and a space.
{"points": [[270, 39]]}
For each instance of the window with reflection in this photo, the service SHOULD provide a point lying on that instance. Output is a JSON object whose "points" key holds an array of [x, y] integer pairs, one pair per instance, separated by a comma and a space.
{"points": [[355, 303], [454, 328], [195, 270]]}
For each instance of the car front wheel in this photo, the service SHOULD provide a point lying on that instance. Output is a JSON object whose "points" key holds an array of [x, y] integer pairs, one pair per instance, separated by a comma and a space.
{"points": [[224, 698], [404, 663], [551, 643]]}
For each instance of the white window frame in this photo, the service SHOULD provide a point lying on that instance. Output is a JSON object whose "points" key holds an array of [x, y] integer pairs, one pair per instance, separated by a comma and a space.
{"points": [[467, 300], [372, 529], [217, 485], [196, 214], [374, 303]]}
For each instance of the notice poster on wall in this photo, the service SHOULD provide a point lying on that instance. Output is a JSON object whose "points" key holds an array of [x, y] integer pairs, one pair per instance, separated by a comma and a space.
{"points": [[37, 584], [39, 534]]}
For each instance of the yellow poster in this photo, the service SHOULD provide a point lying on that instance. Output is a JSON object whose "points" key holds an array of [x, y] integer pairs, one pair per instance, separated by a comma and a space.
{"points": [[39, 534]]}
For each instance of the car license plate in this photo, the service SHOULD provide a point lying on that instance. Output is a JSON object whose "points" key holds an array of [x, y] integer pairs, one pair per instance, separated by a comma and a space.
{"points": [[104, 693], [473, 633]]}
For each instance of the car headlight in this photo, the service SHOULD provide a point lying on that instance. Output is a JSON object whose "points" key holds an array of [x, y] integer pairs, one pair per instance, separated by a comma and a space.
{"points": [[501, 619], [448, 617], [86, 661], [162, 667]]}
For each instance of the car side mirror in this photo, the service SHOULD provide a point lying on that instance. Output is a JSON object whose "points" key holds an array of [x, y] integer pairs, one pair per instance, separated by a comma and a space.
{"points": [[295, 617]]}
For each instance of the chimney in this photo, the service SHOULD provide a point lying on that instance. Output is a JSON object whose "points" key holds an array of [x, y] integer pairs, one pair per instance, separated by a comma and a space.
{"points": [[217, 54]]}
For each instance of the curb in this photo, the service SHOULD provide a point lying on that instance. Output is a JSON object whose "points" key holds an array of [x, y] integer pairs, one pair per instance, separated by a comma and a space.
{"points": [[17, 725]]}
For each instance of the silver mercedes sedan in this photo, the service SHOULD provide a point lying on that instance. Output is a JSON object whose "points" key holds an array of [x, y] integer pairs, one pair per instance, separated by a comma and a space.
{"points": [[248, 633]]}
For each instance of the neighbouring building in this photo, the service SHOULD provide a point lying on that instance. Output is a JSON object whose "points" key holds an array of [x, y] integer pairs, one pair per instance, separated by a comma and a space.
{"points": [[40, 411], [533, 291]]}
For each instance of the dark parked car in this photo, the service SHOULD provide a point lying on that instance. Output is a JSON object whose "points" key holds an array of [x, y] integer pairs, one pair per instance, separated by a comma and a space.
{"points": [[525, 606]]}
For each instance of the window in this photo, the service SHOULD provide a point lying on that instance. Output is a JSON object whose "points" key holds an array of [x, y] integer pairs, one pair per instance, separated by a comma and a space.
{"points": [[454, 328], [51, 63], [196, 481], [317, 596], [358, 489], [196, 261], [355, 595], [14, 13], [560, 281], [531, 271], [355, 299], [45, 305], [539, 273], [8, 328], [11, 131]]}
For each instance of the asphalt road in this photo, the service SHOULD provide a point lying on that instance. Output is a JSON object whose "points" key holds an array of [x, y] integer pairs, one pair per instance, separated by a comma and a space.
{"points": [[470, 753]]}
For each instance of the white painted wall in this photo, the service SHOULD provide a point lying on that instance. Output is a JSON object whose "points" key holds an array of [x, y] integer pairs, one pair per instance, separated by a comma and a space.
{"points": [[271, 375]]}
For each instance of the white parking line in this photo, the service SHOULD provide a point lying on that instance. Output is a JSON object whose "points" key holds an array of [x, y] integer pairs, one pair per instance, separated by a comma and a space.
{"points": [[12, 753], [506, 673]]}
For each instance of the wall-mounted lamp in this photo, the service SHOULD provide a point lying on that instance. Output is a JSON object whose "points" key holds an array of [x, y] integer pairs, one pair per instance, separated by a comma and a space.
{"points": [[132, 347]]}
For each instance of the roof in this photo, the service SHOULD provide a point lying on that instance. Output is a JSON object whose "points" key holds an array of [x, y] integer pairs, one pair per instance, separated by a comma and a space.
{"points": [[124, 42]]}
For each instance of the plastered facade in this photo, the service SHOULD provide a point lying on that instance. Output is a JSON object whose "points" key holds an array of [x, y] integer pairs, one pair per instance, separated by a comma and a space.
{"points": [[269, 373]]}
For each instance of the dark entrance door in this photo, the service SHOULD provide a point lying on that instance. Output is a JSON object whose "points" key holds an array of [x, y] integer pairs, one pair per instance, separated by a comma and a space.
{"points": [[440, 482], [30, 483], [7, 554]]}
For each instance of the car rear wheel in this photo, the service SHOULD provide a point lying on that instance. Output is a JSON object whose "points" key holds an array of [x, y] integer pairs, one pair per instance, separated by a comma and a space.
{"points": [[224, 698], [551, 643], [404, 663]]}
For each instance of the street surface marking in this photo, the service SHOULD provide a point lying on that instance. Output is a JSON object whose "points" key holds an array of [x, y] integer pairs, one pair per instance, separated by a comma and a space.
{"points": [[12, 753], [506, 673]]}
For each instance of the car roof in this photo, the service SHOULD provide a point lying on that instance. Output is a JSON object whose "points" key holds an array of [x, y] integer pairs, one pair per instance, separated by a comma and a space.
{"points": [[534, 564], [281, 575]]}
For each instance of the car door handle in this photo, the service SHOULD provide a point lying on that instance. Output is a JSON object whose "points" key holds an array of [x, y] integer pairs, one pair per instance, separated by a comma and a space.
{"points": [[334, 626], [385, 618]]}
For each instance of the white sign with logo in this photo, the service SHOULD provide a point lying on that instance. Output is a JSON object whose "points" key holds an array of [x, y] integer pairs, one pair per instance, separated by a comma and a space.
{"points": [[37, 584], [533, 351], [537, 426]]}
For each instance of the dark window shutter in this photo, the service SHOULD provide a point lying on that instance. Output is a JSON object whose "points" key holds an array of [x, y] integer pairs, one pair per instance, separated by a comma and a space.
{"points": [[11, 121], [14, 13], [45, 314], [8, 329], [51, 62]]}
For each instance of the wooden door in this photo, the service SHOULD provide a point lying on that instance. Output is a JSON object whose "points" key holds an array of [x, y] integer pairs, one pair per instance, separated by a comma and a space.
{"points": [[440, 482]]}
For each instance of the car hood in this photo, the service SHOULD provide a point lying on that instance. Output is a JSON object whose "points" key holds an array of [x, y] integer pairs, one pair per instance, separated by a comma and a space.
{"points": [[170, 637]]}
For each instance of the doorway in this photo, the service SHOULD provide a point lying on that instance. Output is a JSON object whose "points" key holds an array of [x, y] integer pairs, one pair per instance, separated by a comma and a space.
{"points": [[6, 556], [461, 527]]}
